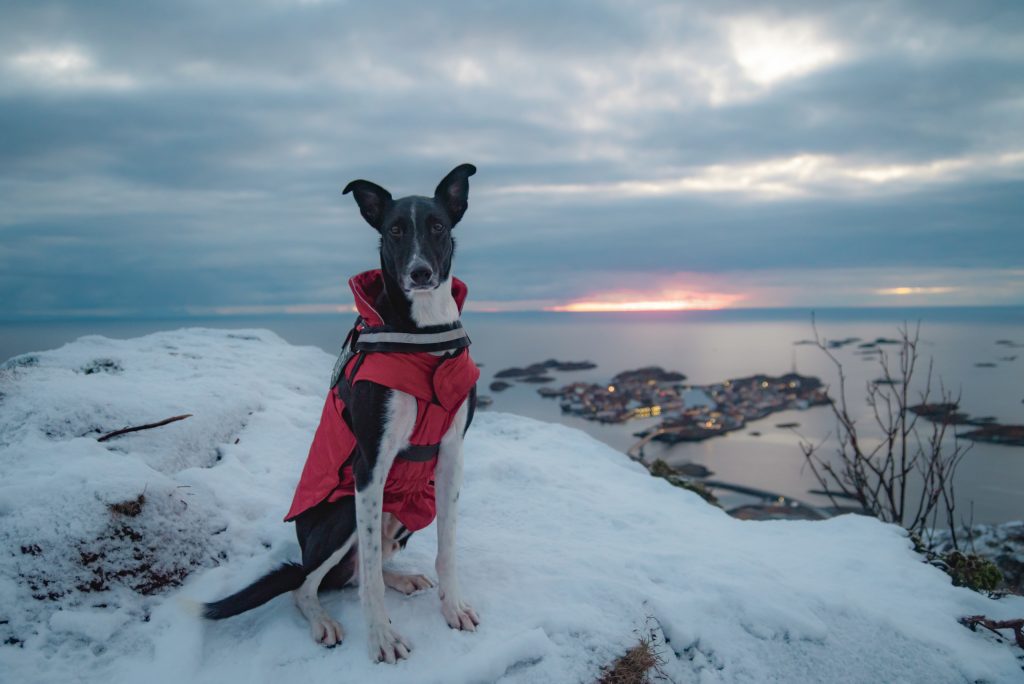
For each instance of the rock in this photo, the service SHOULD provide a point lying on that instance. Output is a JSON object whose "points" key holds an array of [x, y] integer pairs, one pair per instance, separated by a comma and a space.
{"points": [[694, 470]]}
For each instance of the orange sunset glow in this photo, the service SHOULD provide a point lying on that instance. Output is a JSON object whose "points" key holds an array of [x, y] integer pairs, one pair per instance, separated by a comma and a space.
{"points": [[624, 302]]}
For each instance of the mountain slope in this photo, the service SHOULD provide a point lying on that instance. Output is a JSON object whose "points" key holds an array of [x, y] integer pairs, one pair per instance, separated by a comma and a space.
{"points": [[567, 549]]}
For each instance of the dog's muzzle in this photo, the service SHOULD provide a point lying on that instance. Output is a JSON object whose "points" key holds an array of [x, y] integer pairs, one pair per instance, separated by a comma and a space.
{"points": [[420, 278]]}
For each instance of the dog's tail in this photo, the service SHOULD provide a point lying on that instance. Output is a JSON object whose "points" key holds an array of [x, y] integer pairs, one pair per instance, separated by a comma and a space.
{"points": [[288, 577]]}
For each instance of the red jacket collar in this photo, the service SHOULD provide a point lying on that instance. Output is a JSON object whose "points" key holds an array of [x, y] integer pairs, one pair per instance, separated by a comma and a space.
{"points": [[368, 285]]}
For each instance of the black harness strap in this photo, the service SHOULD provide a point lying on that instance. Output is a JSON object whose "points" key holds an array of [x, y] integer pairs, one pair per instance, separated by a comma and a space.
{"points": [[419, 452]]}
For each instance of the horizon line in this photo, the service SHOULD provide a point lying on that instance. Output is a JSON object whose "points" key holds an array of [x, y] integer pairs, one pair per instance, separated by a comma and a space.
{"points": [[291, 311]]}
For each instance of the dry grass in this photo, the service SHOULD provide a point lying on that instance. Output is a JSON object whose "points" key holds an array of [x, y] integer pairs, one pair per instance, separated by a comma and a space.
{"points": [[130, 508], [634, 666]]}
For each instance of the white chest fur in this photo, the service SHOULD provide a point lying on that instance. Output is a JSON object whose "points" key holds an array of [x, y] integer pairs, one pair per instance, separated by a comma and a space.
{"points": [[435, 307]]}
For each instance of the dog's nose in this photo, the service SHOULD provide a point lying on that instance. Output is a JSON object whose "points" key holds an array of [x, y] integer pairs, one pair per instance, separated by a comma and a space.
{"points": [[421, 275]]}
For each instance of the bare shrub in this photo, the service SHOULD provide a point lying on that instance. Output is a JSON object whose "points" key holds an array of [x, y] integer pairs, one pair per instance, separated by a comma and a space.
{"points": [[908, 477]]}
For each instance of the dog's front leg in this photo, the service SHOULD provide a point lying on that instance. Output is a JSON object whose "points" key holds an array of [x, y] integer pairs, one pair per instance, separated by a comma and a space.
{"points": [[378, 446], [448, 481]]}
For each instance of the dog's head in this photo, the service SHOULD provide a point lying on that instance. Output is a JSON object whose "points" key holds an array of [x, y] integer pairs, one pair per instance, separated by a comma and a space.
{"points": [[416, 243]]}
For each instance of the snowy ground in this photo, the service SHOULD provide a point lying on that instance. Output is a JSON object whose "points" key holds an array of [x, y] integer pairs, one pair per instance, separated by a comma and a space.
{"points": [[567, 549]]}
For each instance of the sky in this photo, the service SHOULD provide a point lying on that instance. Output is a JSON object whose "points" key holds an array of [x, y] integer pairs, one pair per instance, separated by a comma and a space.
{"points": [[188, 158]]}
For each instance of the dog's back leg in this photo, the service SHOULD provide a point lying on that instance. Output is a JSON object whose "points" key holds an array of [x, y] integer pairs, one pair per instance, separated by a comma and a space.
{"points": [[322, 530], [327, 535], [394, 537]]}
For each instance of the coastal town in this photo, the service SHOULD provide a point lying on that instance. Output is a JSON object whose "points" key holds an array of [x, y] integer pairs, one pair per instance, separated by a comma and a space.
{"points": [[688, 412], [693, 413]]}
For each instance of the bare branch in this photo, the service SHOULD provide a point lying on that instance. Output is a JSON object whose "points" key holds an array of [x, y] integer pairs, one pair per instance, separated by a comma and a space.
{"points": [[980, 620], [147, 426], [907, 477]]}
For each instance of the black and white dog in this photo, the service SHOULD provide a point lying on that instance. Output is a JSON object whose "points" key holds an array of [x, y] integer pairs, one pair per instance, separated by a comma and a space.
{"points": [[346, 541]]}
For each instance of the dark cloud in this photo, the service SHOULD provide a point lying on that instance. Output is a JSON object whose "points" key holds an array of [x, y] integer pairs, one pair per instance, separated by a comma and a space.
{"points": [[161, 157]]}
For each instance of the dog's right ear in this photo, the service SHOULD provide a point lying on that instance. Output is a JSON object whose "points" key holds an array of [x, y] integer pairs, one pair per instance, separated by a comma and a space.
{"points": [[372, 199]]}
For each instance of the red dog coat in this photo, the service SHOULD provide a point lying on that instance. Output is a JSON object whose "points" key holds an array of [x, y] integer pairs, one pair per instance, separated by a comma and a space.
{"points": [[440, 385]]}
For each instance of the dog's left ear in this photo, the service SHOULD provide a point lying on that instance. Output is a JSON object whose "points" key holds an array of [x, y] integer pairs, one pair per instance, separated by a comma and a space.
{"points": [[453, 192]]}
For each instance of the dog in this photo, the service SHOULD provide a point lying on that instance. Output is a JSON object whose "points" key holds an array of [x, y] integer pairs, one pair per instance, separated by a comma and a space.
{"points": [[404, 379]]}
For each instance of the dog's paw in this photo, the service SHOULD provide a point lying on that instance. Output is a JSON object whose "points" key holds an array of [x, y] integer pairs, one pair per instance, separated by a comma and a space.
{"points": [[387, 645], [326, 631], [459, 614], [407, 584]]}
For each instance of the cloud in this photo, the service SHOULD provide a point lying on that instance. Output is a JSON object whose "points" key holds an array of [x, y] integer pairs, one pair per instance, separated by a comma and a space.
{"points": [[186, 158], [801, 175], [60, 68], [772, 51]]}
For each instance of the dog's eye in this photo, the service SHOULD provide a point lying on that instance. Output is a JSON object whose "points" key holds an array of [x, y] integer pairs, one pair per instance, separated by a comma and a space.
{"points": [[437, 228], [395, 230]]}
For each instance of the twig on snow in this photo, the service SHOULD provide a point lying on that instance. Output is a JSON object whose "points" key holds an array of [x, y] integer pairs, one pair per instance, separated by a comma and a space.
{"points": [[1016, 625], [136, 428]]}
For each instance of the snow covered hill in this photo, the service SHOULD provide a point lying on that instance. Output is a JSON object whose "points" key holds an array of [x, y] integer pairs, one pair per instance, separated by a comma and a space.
{"points": [[567, 549]]}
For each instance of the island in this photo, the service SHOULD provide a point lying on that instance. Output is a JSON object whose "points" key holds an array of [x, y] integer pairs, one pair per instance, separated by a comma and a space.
{"points": [[1011, 435], [946, 412], [535, 378], [688, 412], [987, 429], [543, 367]]}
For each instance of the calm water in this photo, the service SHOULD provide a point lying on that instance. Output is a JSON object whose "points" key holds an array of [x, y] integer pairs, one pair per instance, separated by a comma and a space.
{"points": [[707, 347]]}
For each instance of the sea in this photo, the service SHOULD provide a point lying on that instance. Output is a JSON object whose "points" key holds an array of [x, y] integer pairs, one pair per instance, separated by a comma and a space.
{"points": [[708, 347]]}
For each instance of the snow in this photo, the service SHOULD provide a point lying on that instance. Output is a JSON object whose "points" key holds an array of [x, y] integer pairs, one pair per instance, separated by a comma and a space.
{"points": [[567, 549]]}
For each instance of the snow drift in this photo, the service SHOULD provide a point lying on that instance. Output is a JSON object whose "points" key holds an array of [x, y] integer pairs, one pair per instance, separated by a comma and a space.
{"points": [[567, 549]]}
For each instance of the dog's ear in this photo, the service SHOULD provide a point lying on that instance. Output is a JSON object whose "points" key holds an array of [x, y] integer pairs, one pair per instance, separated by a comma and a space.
{"points": [[453, 192], [372, 199]]}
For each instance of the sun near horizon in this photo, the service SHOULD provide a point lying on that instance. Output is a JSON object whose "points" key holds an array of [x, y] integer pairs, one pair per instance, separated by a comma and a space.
{"points": [[612, 303]]}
